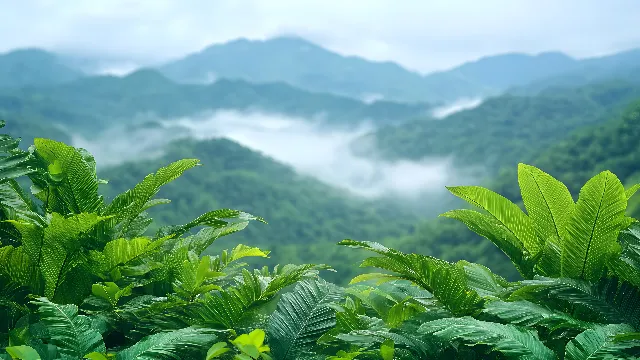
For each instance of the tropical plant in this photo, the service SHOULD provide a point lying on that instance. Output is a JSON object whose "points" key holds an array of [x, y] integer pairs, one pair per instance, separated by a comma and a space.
{"points": [[79, 279]]}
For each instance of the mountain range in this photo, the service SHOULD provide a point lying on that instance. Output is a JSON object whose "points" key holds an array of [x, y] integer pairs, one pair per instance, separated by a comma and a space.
{"points": [[308, 66]]}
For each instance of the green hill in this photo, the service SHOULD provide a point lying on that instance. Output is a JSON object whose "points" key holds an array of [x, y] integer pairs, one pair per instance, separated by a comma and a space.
{"points": [[503, 130], [34, 67]]}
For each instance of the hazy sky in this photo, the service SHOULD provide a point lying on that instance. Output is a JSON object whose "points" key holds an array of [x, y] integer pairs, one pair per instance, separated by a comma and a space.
{"points": [[420, 34]]}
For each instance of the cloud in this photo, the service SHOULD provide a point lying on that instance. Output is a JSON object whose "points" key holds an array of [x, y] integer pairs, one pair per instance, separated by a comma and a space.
{"points": [[422, 35], [309, 147], [443, 111]]}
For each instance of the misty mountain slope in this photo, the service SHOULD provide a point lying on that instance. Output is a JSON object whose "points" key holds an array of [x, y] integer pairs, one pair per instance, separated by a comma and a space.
{"points": [[622, 66], [503, 71], [34, 67], [147, 93], [504, 130], [299, 209], [613, 145]]}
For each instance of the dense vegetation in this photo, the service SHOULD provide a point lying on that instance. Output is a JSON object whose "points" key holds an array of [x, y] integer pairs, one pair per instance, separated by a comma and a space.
{"points": [[506, 129], [79, 278]]}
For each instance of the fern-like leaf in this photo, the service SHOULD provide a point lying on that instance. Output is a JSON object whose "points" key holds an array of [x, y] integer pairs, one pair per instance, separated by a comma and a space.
{"points": [[593, 228], [505, 211], [302, 316], [187, 343], [509, 340], [446, 281], [597, 343], [70, 332]]}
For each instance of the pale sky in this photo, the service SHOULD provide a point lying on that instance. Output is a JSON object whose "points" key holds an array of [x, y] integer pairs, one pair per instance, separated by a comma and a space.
{"points": [[423, 35]]}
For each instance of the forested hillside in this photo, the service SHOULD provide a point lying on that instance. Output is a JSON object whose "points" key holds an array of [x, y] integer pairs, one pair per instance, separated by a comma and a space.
{"points": [[611, 145], [506, 129]]}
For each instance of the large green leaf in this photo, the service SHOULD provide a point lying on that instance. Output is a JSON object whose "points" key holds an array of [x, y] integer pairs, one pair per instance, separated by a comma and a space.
{"points": [[547, 200], [505, 211], [526, 313], [597, 343], [187, 343], [128, 205], [593, 228], [509, 340], [302, 316], [70, 332], [74, 181], [607, 301], [492, 229]]}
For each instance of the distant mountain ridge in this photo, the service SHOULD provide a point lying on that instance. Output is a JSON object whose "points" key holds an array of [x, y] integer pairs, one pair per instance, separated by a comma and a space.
{"points": [[309, 66], [34, 67], [92, 103], [302, 64]]}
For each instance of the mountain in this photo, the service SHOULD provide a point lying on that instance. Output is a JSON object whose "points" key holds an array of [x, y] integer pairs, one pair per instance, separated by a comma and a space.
{"points": [[506, 70], [503, 130], [306, 65], [622, 66], [34, 67], [93, 103]]}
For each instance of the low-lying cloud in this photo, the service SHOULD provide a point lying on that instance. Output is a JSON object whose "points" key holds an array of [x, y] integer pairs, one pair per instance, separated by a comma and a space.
{"points": [[443, 111], [312, 148]]}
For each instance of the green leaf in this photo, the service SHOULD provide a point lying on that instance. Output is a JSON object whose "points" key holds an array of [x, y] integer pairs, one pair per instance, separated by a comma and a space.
{"points": [[216, 350], [127, 206], [505, 211], [22, 352], [187, 343], [509, 340], [387, 350], [593, 228], [70, 332], [547, 200], [494, 230], [301, 317], [447, 282], [631, 191], [75, 182], [59, 244], [597, 343]]}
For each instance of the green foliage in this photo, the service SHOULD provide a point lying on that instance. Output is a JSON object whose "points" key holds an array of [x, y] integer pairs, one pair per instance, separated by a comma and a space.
{"points": [[80, 279]]}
